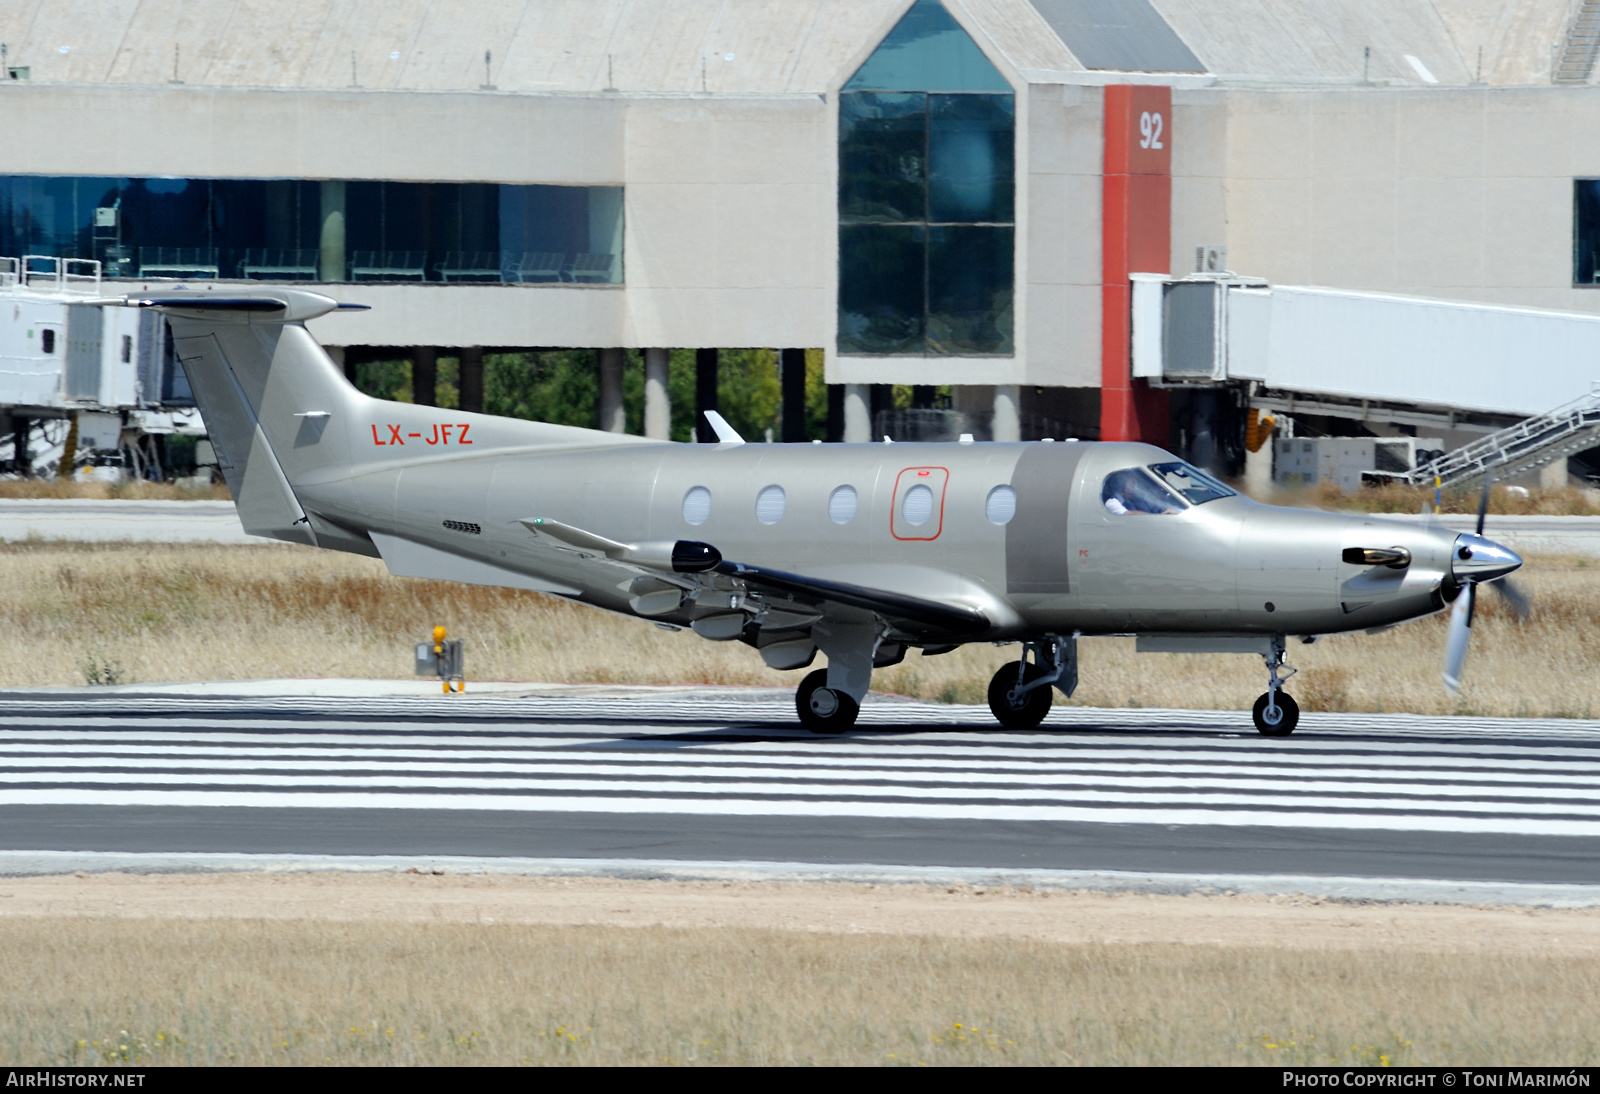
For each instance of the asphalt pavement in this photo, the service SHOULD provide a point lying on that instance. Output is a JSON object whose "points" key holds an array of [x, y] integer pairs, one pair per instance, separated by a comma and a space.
{"points": [[657, 781]]}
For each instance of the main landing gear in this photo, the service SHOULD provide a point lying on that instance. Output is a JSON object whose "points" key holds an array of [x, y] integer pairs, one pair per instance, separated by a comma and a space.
{"points": [[1276, 713], [822, 709], [1019, 694]]}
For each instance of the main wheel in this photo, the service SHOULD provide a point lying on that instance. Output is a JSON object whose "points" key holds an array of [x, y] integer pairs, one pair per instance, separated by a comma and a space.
{"points": [[1288, 715], [1018, 711], [821, 708]]}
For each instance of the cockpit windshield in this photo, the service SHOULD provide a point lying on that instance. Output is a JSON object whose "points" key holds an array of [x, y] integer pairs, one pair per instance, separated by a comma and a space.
{"points": [[1195, 485], [1132, 491], [1161, 489]]}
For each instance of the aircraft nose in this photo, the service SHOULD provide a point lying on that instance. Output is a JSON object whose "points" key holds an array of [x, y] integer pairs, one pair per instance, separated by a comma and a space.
{"points": [[1475, 558]]}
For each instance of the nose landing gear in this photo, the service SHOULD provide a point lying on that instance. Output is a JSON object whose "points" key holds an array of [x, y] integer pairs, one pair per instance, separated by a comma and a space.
{"points": [[1276, 713]]}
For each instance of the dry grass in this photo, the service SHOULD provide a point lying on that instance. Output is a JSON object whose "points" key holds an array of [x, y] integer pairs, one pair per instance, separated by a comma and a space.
{"points": [[261, 992], [1398, 498], [136, 490], [72, 613]]}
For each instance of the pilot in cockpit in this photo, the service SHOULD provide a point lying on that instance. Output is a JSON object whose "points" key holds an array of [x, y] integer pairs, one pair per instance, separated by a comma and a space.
{"points": [[1161, 488], [1133, 491]]}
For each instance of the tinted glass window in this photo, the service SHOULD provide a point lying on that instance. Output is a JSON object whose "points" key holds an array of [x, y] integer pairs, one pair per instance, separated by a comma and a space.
{"points": [[927, 49], [883, 157], [1586, 232], [881, 289], [941, 164], [969, 290], [1195, 485], [970, 139], [327, 230]]}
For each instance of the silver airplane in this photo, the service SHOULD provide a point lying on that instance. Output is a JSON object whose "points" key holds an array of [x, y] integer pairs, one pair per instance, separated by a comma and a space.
{"points": [[862, 551]]}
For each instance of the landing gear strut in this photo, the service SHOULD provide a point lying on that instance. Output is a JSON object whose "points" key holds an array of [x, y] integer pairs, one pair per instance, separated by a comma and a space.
{"points": [[1019, 694], [823, 709], [1276, 713]]}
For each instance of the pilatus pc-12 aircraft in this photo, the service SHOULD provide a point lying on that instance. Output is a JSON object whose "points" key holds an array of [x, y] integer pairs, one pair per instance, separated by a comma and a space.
{"points": [[862, 551]]}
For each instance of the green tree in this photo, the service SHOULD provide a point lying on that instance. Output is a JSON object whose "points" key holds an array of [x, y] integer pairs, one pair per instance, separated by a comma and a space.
{"points": [[563, 386]]}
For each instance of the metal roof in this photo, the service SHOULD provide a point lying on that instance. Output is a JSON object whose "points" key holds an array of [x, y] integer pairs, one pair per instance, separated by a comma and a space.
{"points": [[756, 46], [1122, 35]]}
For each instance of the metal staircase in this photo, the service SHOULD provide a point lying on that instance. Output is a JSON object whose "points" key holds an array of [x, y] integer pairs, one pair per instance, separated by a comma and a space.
{"points": [[1526, 446], [1582, 46]]}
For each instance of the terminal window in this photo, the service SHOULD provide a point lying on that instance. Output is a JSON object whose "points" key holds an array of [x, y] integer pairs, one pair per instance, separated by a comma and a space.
{"points": [[325, 230], [927, 131], [1586, 232]]}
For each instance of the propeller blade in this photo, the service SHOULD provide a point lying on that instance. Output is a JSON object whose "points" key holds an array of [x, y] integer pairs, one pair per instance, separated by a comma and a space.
{"points": [[1455, 647], [1483, 503], [1520, 602]]}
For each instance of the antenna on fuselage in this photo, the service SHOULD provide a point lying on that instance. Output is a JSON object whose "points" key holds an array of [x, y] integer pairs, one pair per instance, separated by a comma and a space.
{"points": [[726, 434]]}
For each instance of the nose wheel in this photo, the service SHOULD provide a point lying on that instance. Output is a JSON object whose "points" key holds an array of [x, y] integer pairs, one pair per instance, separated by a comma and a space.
{"points": [[821, 708], [1276, 713]]}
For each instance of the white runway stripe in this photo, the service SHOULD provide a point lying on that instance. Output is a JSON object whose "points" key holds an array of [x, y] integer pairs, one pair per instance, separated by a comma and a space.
{"points": [[363, 771], [746, 757]]}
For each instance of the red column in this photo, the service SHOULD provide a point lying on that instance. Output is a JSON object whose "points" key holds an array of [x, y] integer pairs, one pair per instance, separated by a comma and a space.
{"points": [[1136, 237]]}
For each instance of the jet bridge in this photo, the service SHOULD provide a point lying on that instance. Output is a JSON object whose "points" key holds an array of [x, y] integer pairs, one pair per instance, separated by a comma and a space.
{"points": [[65, 358], [1381, 358]]}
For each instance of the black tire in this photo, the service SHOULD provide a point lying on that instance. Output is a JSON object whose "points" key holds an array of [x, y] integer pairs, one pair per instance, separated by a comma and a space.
{"points": [[841, 718], [1020, 712], [1288, 709]]}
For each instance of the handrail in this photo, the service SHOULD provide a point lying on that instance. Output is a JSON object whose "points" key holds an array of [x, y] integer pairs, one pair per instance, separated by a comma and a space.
{"points": [[1530, 443], [52, 273]]}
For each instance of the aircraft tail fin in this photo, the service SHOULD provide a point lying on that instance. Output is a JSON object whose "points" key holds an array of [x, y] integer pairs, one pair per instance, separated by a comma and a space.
{"points": [[261, 381], [281, 414]]}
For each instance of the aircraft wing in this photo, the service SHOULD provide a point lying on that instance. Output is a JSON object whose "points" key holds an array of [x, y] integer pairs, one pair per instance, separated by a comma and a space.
{"points": [[698, 562], [918, 613]]}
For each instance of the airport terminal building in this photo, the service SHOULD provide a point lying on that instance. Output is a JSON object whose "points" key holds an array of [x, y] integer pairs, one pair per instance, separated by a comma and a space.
{"points": [[932, 192]]}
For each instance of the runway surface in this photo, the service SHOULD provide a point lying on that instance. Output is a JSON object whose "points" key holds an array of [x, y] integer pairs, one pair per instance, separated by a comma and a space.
{"points": [[135, 521], [728, 777]]}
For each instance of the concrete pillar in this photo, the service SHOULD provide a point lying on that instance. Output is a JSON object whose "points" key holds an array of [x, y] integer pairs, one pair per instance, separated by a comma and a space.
{"points": [[425, 375], [332, 239], [705, 392], [976, 403], [613, 418], [792, 379], [470, 379], [1553, 475], [857, 413], [1258, 471], [1007, 412], [657, 403]]}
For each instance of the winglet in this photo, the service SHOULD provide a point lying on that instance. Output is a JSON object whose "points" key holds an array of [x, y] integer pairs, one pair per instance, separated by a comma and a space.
{"points": [[726, 434]]}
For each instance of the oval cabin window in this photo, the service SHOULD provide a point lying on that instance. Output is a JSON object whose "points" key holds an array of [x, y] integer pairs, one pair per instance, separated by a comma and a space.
{"points": [[1001, 505], [696, 505], [917, 505], [842, 505], [769, 505]]}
